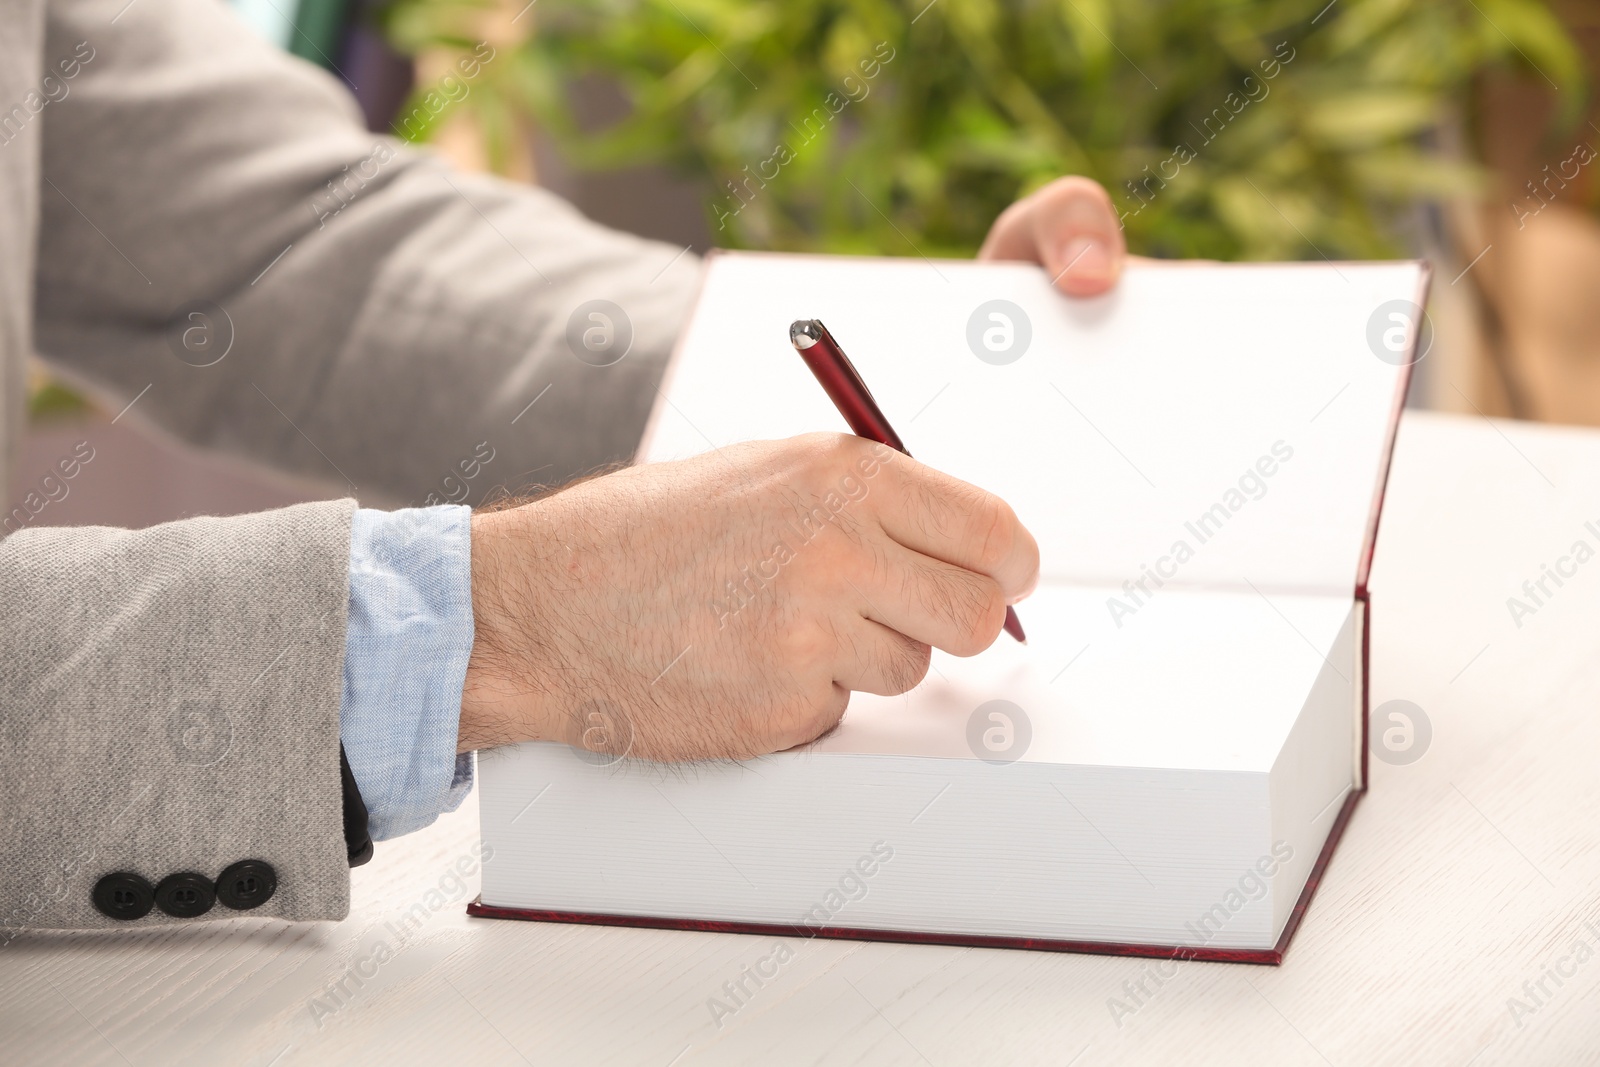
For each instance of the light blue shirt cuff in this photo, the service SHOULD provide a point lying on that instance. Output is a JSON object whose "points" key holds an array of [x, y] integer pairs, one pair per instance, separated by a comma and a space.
{"points": [[406, 651]]}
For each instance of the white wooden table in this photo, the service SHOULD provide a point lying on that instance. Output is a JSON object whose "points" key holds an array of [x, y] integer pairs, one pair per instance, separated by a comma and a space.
{"points": [[1464, 875]]}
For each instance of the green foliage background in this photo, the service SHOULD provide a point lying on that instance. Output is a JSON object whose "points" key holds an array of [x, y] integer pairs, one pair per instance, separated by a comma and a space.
{"points": [[985, 100]]}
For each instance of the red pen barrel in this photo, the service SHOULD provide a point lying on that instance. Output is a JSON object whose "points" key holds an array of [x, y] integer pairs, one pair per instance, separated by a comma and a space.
{"points": [[840, 380], [849, 393], [1013, 625]]}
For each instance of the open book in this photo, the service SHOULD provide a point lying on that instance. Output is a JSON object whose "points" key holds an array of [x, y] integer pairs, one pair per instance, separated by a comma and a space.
{"points": [[1165, 767]]}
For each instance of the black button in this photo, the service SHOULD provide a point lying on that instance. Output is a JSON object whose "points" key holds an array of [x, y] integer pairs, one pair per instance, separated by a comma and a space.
{"points": [[123, 895], [247, 884], [185, 895]]}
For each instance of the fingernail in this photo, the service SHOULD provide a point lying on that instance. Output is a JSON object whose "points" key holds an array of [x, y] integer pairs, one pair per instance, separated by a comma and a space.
{"points": [[1087, 258]]}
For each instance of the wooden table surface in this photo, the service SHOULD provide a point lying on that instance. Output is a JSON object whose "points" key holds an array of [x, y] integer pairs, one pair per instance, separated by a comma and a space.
{"points": [[1453, 926]]}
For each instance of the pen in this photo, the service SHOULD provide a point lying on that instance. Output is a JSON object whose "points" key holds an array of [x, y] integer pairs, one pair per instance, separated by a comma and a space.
{"points": [[839, 379]]}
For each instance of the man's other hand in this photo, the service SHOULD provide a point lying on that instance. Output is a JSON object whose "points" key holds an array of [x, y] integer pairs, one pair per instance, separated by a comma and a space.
{"points": [[725, 606], [1068, 227]]}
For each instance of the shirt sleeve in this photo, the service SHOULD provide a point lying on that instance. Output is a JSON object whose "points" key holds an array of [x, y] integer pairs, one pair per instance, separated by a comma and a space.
{"points": [[409, 639]]}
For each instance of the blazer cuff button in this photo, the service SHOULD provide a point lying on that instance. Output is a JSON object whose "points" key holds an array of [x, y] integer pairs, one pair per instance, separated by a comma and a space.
{"points": [[185, 895], [123, 895], [247, 884]]}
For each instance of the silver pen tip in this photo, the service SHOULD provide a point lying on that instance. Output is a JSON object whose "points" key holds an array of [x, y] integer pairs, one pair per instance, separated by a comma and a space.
{"points": [[803, 333]]}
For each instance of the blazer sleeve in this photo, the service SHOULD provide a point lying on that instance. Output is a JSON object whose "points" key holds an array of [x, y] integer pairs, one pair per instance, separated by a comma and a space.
{"points": [[221, 234], [169, 713], [221, 242]]}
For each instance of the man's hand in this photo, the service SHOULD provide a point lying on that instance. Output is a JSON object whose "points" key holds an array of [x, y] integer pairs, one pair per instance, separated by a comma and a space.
{"points": [[1070, 228], [725, 606]]}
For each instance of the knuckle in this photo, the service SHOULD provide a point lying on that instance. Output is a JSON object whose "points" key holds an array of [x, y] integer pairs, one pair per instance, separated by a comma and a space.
{"points": [[805, 645], [992, 532], [978, 610], [781, 728], [971, 606], [933, 511], [905, 666], [867, 565], [820, 499], [807, 719], [835, 562], [825, 452]]}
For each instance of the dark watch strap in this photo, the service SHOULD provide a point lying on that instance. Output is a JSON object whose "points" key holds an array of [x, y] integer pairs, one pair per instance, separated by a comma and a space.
{"points": [[357, 841]]}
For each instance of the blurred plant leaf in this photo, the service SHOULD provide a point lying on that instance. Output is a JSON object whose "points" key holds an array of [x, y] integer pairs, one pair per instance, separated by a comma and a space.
{"points": [[50, 399], [1228, 129], [1367, 117]]}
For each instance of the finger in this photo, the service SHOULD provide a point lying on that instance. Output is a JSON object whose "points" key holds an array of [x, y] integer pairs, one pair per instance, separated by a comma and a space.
{"points": [[876, 659], [1077, 230], [800, 724], [1070, 227], [931, 602], [929, 512]]}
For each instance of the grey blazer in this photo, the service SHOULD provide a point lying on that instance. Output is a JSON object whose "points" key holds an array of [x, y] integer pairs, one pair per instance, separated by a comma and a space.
{"points": [[194, 221]]}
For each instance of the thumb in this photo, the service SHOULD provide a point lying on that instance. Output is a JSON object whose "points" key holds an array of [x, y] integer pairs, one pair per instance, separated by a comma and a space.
{"points": [[1070, 228], [1079, 238]]}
